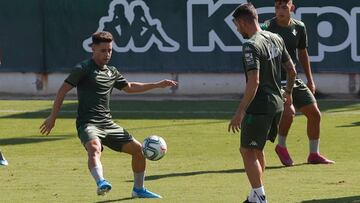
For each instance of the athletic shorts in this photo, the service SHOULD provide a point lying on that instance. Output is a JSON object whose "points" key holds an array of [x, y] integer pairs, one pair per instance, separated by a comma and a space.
{"points": [[302, 96], [257, 128], [110, 134]]}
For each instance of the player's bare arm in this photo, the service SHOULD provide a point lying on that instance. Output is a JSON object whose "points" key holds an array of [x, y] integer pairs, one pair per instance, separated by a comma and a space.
{"points": [[305, 63], [249, 94], [136, 87], [49, 122], [291, 76]]}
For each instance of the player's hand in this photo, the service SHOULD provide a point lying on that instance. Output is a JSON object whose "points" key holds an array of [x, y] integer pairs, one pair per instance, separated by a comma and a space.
{"points": [[166, 83], [235, 123], [47, 126], [311, 86]]}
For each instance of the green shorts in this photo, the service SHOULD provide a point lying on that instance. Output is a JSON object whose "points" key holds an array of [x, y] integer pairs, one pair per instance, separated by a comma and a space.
{"points": [[302, 96], [257, 128], [110, 134]]}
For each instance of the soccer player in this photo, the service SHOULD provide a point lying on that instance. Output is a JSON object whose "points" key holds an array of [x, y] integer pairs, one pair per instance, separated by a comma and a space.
{"points": [[294, 35], [95, 81], [259, 112], [3, 161]]}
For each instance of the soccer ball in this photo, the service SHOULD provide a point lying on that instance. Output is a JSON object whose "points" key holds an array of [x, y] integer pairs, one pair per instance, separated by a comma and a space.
{"points": [[154, 148]]}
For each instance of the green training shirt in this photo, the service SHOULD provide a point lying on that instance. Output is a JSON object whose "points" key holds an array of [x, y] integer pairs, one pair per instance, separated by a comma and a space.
{"points": [[94, 86], [265, 52], [294, 36]]}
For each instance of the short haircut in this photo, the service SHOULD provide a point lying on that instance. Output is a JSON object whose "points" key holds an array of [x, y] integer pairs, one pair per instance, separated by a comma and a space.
{"points": [[281, 1], [102, 36], [245, 11]]}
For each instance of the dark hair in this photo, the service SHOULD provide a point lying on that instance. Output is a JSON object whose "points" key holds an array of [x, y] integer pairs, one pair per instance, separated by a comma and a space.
{"points": [[285, 1], [101, 36], [245, 11]]}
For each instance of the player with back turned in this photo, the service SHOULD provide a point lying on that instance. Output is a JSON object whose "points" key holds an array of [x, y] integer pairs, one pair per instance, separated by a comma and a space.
{"points": [[259, 112]]}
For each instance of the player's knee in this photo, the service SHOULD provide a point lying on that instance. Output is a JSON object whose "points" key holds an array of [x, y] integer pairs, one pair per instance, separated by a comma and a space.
{"points": [[289, 112], [137, 149], [288, 116], [93, 149], [314, 115]]}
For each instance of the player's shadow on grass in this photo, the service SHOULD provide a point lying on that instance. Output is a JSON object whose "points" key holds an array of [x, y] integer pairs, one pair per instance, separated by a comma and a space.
{"points": [[193, 173], [166, 109], [29, 140], [172, 125], [115, 200], [355, 124], [140, 110], [352, 199]]}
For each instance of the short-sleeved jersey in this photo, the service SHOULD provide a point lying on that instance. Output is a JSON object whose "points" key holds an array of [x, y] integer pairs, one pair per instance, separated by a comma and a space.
{"points": [[294, 36], [265, 52], [94, 85]]}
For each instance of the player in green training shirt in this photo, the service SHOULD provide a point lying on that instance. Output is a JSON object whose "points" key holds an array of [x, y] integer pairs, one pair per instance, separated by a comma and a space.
{"points": [[294, 34], [95, 81], [259, 112]]}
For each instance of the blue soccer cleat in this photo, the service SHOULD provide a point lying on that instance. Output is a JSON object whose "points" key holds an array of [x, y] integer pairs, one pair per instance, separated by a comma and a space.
{"points": [[3, 161], [103, 187], [144, 193]]}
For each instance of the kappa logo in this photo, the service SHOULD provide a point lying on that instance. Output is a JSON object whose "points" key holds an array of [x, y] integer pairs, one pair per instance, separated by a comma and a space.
{"points": [[133, 28], [253, 143]]}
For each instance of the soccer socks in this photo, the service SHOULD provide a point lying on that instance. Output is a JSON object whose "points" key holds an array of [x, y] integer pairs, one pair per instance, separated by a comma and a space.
{"points": [[314, 146], [282, 141], [97, 173], [257, 195], [139, 180]]}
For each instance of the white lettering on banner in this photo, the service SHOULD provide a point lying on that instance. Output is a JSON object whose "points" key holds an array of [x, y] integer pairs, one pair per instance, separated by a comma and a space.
{"points": [[325, 28], [209, 25], [319, 11], [213, 36], [354, 35], [133, 28]]}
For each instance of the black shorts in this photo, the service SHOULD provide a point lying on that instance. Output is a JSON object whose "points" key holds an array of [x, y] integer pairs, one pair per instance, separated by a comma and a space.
{"points": [[302, 96], [257, 128], [110, 134]]}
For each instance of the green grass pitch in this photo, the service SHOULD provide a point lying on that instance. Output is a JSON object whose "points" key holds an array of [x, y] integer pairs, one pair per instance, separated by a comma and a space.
{"points": [[202, 164]]}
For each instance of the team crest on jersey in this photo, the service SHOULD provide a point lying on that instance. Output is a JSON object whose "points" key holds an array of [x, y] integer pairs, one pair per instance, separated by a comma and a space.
{"points": [[249, 59], [294, 32], [134, 28]]}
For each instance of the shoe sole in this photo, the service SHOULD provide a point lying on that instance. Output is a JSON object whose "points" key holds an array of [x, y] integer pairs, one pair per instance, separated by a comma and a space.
{"points": [[283, 163], [102, 192], [134, 196]]}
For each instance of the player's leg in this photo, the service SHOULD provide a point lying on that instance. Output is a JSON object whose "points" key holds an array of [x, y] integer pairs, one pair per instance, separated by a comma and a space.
{"points": [[88, 135], [253, 138], [305, 101], [120, 140], [260, 155], [138, 165], [253, 171], [3, 161], [284, 127], [313, 115]]}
